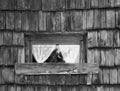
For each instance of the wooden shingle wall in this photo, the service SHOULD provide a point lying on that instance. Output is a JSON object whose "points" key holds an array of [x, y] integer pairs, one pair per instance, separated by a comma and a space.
{"points": [[99, 18]]}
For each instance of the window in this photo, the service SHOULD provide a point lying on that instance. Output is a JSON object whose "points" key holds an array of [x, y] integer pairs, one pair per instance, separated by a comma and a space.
{"points": [[40, 47], [71, 45]]}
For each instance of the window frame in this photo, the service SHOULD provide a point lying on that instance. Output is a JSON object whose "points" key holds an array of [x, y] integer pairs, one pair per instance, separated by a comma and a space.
{"points": [[32, 38]]}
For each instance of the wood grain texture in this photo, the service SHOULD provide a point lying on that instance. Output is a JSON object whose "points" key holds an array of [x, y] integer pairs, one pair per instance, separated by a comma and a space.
{"points": [[90, 19], [7, 38], [106, 76], [110, 58], [8, 75], [117, 3], [92, 39], [42, 21], [51, 79], [1, 38], [33, 21], [18, 21], [103, 19], [55, 68], [2, 20], [118, 75], [84, 20], [105, 38], [109, 3], [116, 38], [96, 19], [113, 76], [93, 56], [56, 20], [101, 3], [76, 20], [23, 4], [10, 20], [79, 4], [94, 3], [53, 5], [110, 18], [117, 57], [25, 21], [21, 55], [18, 39], [36, 5]]}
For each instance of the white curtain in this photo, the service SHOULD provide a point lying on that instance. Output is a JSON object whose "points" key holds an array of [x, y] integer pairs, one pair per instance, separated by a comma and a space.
{"points": [[70, 52]]}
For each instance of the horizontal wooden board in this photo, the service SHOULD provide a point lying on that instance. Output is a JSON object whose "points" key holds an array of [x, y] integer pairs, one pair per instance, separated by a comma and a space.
{"points": [[59, 68]]}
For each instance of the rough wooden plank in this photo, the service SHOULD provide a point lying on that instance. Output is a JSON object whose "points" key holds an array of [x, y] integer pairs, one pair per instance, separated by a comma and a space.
{"points": [[90, 19], [97, 19], [94, 3], [105, 38], [1, 38], [33, 21], [15, 55], [7, 4], [7, 38], [103, 19], [28, 88], [2, 20], [110, 56], [79, 4], [21, 55], [55, 68], [70, 4], [1, 56], [101, 81], [25, 22], [18, 88], [63, 21], [53, 5], [3, 87], [82, 79], [27, 51], [118, 75], [36, 5], [10, 20], [103, 57], [11, 88], [8, 75], [90, 56], [116, 38], [84, 19], [23, 4], [56, 20], [7, 55], [76, 20], [117, 56], [117, 3], [18, 39], [110, 18], [109, 3], [18, 21], [87, 4], [106, 76], [49, 22], [101, 3], [113, 76], [92, 39], [42, 21]]}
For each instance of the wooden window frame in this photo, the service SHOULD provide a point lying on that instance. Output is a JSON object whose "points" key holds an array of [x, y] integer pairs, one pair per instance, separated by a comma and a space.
{"points": [[55, 68]]}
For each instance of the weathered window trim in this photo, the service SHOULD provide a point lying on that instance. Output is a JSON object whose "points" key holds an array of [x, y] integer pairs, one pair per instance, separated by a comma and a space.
{"points": [[30, 68]]}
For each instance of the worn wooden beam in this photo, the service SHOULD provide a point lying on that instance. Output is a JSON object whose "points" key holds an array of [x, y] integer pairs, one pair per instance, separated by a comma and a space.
{"points": [[59, 68]]}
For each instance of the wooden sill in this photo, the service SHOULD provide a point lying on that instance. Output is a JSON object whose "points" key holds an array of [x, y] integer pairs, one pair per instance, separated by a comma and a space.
{"points": [[55, 68]]}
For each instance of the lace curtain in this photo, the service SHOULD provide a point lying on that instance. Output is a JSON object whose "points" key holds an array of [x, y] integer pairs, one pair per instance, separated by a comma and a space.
{"points": [[70, 52]]}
